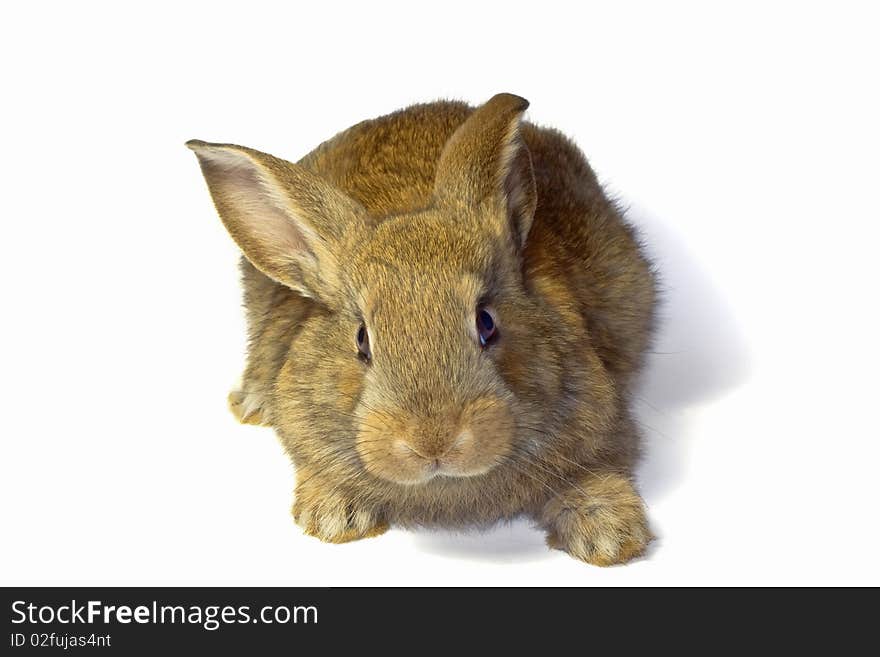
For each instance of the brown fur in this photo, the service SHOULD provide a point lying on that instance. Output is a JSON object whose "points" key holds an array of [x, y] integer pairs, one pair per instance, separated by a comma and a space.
{"points": [[407, 223]]}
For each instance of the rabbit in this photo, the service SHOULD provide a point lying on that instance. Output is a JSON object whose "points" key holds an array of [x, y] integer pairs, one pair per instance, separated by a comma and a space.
{"points": [[446, 317]]}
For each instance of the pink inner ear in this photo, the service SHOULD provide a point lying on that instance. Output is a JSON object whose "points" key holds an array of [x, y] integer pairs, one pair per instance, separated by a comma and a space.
{"points": [[255, 208]]}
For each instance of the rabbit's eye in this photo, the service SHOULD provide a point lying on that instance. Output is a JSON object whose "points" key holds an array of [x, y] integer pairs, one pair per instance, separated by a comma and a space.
{"points": [[363, 343], [486, 327]]}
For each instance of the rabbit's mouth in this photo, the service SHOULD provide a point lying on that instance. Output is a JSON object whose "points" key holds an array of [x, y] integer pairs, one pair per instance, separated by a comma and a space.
{"points": [[414, 451], [403, 464]]}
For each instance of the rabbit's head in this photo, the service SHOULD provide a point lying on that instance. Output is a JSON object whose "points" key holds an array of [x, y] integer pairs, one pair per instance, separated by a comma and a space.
{"points": [[426, 354]]}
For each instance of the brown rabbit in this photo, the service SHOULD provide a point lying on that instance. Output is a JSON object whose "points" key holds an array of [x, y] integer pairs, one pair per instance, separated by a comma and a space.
{"points": [[446, 316]]}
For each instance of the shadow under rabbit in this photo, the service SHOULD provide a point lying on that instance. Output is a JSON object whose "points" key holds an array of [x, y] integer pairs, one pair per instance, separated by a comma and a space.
{"points": [[516, 541]]}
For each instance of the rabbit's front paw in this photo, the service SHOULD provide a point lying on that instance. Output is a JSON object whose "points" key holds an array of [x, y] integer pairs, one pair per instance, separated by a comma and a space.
{"points": [[248, 407], [602, 521], [334, 519]]}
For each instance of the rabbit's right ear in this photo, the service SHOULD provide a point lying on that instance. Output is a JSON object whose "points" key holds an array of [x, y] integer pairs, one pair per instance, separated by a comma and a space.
{"points": [[288, 222], [486, 158]]}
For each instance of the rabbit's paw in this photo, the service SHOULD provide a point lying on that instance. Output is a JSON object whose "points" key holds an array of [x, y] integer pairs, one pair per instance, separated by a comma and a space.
{"points": [[248, 407], [334, 519], [602, 521]]}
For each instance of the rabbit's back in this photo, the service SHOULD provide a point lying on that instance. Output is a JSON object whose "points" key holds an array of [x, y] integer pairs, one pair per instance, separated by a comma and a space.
{"points": [[387, 164]]}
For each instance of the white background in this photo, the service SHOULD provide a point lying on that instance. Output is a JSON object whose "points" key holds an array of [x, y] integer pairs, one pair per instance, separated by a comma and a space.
{"points": [[743, 139]]}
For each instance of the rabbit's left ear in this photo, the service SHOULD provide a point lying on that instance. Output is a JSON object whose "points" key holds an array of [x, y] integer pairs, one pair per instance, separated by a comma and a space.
{"points": [[486, 160]]}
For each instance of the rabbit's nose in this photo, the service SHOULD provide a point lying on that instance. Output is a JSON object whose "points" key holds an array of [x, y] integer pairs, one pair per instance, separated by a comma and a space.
{"points": [[434, 447], [430, 450]]}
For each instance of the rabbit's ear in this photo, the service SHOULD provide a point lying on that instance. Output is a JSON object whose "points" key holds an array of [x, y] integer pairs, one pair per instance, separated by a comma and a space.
{"points": [[288, 221], [487, 160]]}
